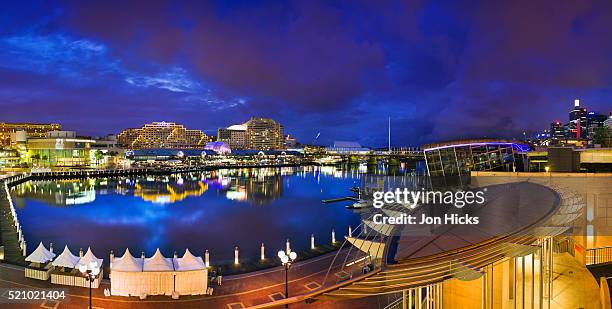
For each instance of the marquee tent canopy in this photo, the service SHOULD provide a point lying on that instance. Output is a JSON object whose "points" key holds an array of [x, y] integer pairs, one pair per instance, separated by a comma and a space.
{"points": [[126, 263], [66, 259], [90, 257], [189, 262], [40, 255], [158, 263]]}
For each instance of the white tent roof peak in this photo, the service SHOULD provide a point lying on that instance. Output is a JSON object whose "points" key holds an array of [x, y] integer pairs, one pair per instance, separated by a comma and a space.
{"points": [[40, 255], [127, 262], [158, 263], [190, 262], [66, 259], [90, 257]]}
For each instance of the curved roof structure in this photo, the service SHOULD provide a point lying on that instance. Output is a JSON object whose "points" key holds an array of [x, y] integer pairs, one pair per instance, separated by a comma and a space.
{"points": [[238, 127], [218, 147], [521, 146], [66, 259]]}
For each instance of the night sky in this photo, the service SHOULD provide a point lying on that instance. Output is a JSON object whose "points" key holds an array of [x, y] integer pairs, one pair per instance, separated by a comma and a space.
{"points": [[440, 70]]}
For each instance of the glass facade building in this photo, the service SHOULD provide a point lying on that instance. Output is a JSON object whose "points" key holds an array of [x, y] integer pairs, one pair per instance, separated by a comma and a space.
{"points": [[449, 164]]}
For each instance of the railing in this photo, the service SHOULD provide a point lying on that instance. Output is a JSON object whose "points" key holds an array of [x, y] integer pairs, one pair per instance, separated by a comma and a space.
{"points": [[599, 255], [604, 293]]}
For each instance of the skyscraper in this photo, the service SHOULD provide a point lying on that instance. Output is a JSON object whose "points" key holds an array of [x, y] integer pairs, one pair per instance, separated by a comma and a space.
{"points": [[578, 121], [594, 121], [264, 134], [557, 131]]}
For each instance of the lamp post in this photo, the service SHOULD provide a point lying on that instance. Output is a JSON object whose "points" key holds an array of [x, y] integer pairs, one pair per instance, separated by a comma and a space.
{"points": [[287, 260], [90, 272]]}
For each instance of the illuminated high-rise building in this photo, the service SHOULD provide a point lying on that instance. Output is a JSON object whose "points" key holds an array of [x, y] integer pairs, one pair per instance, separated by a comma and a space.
{"points": [[30, 129], [578, 121], [162, 135], [235, 136], [264, 134], [594, 121]]}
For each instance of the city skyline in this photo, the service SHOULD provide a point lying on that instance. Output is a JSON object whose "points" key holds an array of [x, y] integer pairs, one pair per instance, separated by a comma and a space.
{"points": [[440, 73]]}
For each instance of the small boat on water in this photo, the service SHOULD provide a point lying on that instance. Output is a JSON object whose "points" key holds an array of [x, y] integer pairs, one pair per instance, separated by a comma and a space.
{"points": [[361, 204]]}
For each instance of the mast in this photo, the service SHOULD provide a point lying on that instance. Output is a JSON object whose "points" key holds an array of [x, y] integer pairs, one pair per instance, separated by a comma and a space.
{"points": [[389, 134]]}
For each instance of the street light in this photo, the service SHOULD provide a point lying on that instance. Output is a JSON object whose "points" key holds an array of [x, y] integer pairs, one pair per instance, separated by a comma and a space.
{"points": [[90, 272], [287, 260]]}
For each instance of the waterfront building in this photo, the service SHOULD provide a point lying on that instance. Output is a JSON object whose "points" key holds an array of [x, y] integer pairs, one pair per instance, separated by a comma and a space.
{"points": [[290, 141], [450, 163], [8, 157], [162, 135], [235, 136], [59, 149], [30, 129], [344, 147], [264, 134]]}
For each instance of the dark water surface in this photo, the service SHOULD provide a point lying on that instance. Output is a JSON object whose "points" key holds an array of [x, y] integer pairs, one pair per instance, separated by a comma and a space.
{"points": [[212, 210]]}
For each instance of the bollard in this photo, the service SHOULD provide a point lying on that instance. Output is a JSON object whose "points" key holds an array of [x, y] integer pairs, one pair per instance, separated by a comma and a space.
{"points": [[312, 243], [81, 252], [236, 261], [207, 258], [51, 247], [288, 246], [333, 236], [263, 256], [175, 255], [350, 233]]}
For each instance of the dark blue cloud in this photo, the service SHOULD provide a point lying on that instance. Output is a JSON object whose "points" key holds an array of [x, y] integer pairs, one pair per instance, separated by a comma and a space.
{"points": [[439, 70]]}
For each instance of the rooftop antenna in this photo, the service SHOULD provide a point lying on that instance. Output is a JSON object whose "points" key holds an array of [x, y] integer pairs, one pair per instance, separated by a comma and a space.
{"points": [[576, 102]]}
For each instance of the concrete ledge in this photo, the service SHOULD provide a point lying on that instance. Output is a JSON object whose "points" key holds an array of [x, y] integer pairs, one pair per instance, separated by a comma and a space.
{"points": [[539, 174]]}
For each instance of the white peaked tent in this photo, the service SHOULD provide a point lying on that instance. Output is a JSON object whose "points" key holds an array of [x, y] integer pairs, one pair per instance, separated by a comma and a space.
{"points": [[125, 275], [191, 275], [41, 255], [158, 275], [90, 257], [158, 272], [126, 263], [66, 259]]}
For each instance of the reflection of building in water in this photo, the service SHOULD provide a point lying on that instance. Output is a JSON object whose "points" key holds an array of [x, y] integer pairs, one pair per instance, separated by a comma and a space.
{"points": [[258, 186], [166, 193], [61, 193]]}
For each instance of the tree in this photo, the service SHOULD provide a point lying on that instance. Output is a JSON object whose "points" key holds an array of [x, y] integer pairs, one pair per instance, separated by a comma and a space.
{"points": [[98, 155], [603, 136], [36, 158]]}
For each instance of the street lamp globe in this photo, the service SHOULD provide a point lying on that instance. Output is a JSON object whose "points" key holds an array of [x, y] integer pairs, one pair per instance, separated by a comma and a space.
{"points": [[281, 253], [293, 256]]}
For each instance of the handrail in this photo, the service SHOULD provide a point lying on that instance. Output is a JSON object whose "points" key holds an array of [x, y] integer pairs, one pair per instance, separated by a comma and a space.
{"points": [[600, 255]]}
